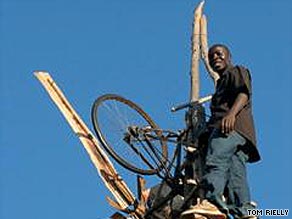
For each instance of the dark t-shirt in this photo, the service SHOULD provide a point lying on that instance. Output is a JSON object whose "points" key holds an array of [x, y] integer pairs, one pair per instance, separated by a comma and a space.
{"points": [[235, 80]]}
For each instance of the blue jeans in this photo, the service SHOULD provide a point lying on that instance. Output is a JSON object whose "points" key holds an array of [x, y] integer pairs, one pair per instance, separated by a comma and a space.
{"points": [[226, 172]]}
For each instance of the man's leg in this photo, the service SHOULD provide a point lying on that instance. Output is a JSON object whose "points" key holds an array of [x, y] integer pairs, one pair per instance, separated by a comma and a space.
{"points": [[238, 189], [221, 149]]}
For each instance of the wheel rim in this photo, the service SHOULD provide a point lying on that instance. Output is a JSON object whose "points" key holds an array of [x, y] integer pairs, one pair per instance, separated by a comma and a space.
{"points": [[112, 116]]}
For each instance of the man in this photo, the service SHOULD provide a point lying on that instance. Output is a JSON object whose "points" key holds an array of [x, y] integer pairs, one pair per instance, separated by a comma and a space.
{"points": [[232, 140]]}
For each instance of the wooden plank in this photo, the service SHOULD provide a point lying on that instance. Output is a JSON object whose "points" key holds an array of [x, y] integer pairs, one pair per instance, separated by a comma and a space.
{"points": [[114, 204], [121, 192], [141, 187]]}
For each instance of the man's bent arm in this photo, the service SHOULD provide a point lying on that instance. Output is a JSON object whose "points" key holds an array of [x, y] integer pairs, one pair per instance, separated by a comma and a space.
{"points": [[228, 122], [239, 103]]}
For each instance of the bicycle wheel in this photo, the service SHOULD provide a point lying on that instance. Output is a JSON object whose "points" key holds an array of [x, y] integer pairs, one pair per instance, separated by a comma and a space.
{"points": [[113, 116]]}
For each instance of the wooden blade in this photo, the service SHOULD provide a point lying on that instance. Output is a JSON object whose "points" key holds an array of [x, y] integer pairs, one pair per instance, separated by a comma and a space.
{"points": [[118, 188]]}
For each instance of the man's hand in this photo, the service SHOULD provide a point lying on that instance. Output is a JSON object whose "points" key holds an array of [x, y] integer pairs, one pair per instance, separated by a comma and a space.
{"points": [[228, 123]]}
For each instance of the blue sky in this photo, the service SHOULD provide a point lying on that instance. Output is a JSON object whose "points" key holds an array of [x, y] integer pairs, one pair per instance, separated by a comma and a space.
{"points": [[141, 50]]}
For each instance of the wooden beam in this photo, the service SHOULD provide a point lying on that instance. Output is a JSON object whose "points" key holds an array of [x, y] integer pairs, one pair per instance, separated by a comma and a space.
{"points": [[204, 49], [196, 53], [113, 181]]}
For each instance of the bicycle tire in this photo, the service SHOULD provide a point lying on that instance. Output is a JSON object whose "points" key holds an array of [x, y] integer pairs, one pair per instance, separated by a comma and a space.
{"points": [[117, 109]]}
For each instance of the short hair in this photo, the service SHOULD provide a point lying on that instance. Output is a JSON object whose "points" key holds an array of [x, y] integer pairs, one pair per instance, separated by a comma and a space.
{"points": [[220, 45]]}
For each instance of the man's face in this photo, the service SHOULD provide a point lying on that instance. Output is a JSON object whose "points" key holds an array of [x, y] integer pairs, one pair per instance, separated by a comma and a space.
{"points": [[219, 59]]}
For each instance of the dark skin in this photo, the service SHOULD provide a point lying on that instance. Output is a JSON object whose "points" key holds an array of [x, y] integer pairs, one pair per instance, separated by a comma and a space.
{"points": [[220, 60]]}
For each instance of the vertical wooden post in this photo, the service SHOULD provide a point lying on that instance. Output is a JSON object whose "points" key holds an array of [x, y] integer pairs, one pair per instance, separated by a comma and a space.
{"points": [[196, 53], [193, 169]]}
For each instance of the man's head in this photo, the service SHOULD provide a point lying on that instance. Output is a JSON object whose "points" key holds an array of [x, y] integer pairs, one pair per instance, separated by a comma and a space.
{"points": [[219, 57]]}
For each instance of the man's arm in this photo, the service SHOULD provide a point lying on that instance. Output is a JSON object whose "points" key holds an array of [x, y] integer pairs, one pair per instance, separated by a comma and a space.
{"points": [[228, 122]]}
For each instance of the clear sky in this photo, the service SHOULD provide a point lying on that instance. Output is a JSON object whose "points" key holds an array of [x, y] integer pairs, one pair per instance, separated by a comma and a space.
{"points": [[141, 50]]}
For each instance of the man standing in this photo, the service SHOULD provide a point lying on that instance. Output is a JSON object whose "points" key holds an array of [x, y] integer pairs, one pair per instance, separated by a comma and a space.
{"points": [[232, 140]]}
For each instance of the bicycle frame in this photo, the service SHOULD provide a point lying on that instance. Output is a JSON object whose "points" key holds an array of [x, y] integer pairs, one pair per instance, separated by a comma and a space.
{"points": [[171, 171], [195, 122], [177, 183]]}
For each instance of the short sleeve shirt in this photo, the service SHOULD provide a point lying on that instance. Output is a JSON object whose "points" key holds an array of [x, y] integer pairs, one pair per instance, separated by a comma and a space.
{"points": [[235, 80]]}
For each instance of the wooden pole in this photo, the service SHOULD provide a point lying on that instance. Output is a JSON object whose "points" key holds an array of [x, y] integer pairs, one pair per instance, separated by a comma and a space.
{"points": [[196, 53], [113, 181], [204, 49]]}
